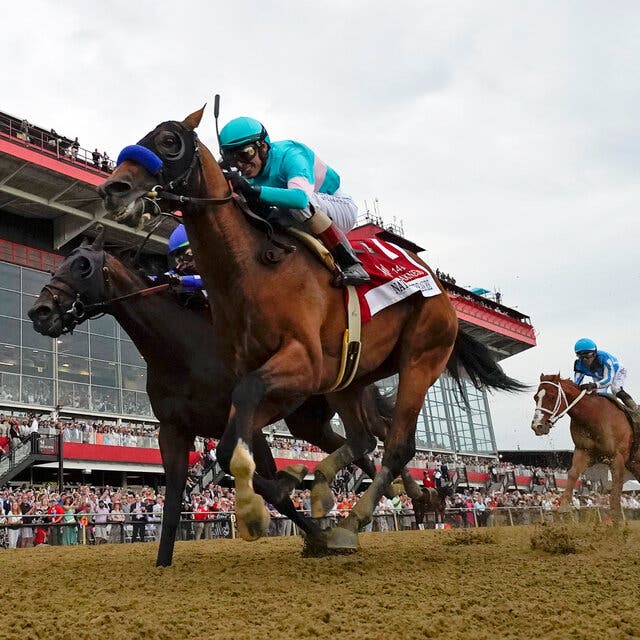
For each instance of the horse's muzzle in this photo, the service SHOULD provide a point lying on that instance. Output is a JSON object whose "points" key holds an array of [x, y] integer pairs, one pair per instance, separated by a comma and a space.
{"points": [[46, 321], [541, 428]]}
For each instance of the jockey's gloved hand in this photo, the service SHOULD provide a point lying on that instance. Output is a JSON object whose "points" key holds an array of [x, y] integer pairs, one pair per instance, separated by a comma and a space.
{"points": [[172, 279], [589, 386], [243, 186]]}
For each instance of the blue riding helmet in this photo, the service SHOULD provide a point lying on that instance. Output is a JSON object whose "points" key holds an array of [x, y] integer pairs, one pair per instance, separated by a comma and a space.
{"points": [[178, 239], [242, 131], [585, 344]]}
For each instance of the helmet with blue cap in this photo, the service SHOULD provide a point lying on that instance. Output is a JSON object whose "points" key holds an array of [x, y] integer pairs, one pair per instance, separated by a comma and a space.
{"points": [[178, 239], [585, 344], [242, 131]]}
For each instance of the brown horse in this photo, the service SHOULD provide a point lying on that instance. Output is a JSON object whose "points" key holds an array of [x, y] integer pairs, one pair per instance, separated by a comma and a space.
{"points": [[600, 429], [188, 386], [282, 324]]}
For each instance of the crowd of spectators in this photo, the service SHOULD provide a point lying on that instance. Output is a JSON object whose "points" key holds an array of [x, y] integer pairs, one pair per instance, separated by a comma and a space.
{"points": [[51, 141], [100, 515]]}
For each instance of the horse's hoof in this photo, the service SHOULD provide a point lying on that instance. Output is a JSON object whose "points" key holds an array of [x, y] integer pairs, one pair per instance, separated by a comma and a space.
{"points": [[315, 547], [294, 472], [395, 489], [253, 519], [341, 540], [321, 499]]}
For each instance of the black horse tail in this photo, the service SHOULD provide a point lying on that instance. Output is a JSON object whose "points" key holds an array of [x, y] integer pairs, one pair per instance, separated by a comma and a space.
{"points": [[480, 366]]}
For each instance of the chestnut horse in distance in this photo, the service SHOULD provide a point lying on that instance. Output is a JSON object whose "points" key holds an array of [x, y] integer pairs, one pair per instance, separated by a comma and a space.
{"points": [[600, 428]]}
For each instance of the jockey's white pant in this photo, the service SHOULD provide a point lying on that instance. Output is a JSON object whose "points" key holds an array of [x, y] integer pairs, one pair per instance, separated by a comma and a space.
{"points": [[616, 384], [339, 206]]}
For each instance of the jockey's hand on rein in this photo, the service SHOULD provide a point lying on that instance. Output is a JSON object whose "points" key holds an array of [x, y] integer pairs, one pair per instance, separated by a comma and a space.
{"points": [[589, 386], [172, 279], [243, 186]]}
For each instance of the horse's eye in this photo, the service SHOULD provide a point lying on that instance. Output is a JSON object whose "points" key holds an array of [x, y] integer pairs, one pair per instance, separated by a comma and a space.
{"points": [[168, 140]]}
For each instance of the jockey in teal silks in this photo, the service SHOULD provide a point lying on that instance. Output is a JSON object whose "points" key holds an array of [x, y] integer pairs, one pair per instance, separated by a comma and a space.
{"points": [[605, 370], [289, 175], [183, 267]]}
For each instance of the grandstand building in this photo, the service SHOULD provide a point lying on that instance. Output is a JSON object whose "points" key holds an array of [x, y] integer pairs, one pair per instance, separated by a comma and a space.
{"points": [[47, 204]]}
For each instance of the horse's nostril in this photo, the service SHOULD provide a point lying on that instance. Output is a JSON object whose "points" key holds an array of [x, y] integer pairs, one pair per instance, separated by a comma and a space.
{"points": [[39, 313], [116, 188]]}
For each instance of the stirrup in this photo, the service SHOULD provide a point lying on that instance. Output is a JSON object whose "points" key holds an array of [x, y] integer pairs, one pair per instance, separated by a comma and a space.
{"points": [[353, 275]]}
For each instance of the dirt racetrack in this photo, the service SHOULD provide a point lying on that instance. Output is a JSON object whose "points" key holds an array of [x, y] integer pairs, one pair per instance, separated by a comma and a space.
{"points": [[476, 584]]}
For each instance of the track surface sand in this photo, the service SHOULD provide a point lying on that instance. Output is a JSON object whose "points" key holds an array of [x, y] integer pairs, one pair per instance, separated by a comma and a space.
{"points": [[483, 584]]}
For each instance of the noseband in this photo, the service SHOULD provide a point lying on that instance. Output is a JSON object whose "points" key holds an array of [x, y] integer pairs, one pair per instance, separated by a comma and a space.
{"points": [[555, 414]]}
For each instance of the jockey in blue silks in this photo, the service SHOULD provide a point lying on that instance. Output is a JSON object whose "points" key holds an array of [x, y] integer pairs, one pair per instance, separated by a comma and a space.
{"points": [[183, 272], [289, 175], [605, 370]]}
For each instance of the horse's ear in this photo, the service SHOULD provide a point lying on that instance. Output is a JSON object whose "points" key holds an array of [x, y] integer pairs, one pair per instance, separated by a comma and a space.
{"points": [[85, 242], [541, 377], [192, 121], [98, 243]]}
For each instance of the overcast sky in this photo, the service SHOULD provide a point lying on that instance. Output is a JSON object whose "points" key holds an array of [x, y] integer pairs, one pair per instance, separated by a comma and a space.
{"points": [[505, 136]]}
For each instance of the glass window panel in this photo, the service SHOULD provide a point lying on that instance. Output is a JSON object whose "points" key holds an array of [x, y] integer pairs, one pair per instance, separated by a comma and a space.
{"points": [[31, 338], [27, 303], [9, 303], [33, 281], [134, 378], [9, 387], [36, 362], [9, 358], [130, 355], [76, 344], [73, 369], [10, 330], [103, 399], [103, 348], [105, 326], [136, 404], [71, 394], [104, 374], [37, 391], [9, 276]]}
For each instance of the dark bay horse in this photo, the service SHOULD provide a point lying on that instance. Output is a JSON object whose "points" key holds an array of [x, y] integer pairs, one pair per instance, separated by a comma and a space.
{"points": [[283, 324], [431, 500], [600, 429], [187, 383]]}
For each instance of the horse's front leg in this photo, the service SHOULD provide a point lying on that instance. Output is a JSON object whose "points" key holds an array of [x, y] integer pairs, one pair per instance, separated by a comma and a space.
{"points": [[579, 463], [174, 449], [274, 389], [617, 478]]}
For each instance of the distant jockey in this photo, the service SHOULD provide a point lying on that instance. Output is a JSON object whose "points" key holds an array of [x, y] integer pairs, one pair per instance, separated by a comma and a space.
{"points": [[289, 175], [608, 374], [183, 272]]}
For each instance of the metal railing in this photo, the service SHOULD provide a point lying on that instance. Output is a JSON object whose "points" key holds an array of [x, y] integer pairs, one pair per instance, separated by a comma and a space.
{"points": [[54, 144], [223, 525]]}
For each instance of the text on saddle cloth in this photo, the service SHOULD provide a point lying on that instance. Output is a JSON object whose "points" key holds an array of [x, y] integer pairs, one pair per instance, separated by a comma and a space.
{"points": [[395, 275]]}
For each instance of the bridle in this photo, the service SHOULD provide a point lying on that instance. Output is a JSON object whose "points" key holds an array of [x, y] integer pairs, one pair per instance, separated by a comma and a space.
{"points": [[170, 183], [555, 414], [79, 311]]}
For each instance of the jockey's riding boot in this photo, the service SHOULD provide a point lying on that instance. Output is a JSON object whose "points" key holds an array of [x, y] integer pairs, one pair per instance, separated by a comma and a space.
{"points": [[627, 400], [336, 242]]}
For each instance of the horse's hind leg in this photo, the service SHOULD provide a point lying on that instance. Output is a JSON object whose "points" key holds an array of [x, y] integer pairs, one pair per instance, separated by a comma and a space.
{"points": [[358, 416], [415, 379], [617, 478]]}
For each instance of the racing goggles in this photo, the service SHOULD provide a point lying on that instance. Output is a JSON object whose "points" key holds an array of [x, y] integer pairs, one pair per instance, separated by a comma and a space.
{"points": [[243, 155], [180, 257]]}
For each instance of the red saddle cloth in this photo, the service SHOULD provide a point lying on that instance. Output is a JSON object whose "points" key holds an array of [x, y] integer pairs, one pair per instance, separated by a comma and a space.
{"points": [[395, 275]]}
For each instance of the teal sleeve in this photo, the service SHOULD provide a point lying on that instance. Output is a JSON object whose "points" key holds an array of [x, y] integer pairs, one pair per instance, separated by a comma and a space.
{"points": [[289, 198]]}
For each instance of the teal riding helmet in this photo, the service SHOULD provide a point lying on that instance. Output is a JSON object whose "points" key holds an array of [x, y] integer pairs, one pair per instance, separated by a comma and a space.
{"points": [[585, 344], [242, 131], [178, 239]]}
